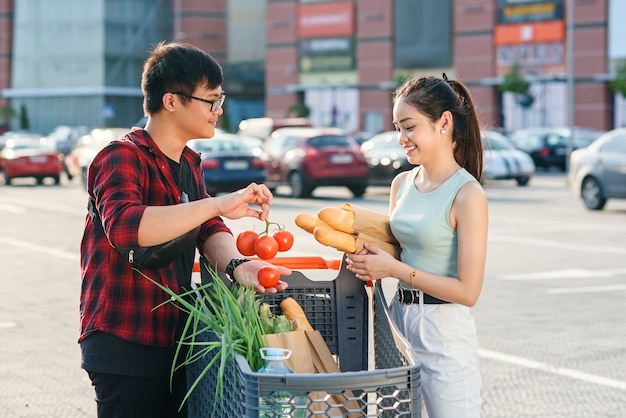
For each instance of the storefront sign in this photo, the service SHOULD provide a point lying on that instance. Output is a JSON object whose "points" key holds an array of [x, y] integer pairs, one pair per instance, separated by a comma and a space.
{"points": [[325, 19], [531, 54], [517, 11], [326, 63], [326, 45]]}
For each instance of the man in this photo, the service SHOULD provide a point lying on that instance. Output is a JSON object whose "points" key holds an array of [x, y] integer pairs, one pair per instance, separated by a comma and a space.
{"points": [[147, 189]]}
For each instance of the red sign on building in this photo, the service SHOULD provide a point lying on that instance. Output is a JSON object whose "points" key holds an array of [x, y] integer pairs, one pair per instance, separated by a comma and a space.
{"points": [[325, 19]]}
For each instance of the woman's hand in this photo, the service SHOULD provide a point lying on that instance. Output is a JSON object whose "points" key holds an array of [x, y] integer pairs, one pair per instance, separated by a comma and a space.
{"points": [[371, 263], [236, 205], [247, 274]]}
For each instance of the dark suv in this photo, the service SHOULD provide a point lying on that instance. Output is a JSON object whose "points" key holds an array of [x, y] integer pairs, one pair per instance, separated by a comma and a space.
{"points": [[307, 158], [548, 146]]}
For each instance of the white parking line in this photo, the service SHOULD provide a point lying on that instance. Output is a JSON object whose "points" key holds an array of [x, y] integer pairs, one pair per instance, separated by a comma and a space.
{"points": [[586, 289], [39, 248], [548, 368], [565, 274], [558, 244], [11, 208]]}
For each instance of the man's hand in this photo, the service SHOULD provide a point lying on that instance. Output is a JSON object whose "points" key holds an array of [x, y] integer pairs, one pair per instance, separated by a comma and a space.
{"points": [[237, 205], [247, 274]]}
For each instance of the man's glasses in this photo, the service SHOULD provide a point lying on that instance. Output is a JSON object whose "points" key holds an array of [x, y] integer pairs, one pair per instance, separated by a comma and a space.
{"points": [[215, 104]]}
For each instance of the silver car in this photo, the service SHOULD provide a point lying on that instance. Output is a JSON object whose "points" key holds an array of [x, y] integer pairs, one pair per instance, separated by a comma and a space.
{"points": [[598, 172], [502, 161]]}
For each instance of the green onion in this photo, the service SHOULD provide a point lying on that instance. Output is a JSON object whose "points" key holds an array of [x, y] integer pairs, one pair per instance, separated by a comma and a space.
{"points": [[233, 314]]}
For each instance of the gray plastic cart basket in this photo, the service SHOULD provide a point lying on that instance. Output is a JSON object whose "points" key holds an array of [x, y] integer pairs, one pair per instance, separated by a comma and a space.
{"points": [[392, 389]]}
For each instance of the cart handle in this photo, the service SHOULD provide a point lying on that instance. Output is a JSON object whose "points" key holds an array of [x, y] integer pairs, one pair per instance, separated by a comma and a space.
{"points": [[296, 263]]}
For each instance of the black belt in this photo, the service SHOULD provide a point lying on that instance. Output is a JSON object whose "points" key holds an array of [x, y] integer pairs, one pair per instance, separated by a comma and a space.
{"points": [[410, 296]]}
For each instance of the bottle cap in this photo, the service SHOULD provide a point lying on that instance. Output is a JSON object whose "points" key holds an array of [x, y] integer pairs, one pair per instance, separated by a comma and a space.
{"points": [[272, 353]]}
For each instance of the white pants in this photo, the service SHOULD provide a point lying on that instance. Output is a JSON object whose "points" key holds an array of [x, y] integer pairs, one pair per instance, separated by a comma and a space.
{"points": [[445, 341]]}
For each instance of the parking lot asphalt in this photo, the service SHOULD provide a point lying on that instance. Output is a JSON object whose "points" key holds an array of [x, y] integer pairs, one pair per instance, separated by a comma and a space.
{"points": [[542, 355]]}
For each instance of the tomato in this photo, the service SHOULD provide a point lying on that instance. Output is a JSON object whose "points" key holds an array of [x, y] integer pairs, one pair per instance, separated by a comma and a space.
{"points": [[268, 276], [245, 243], [284, 240], [265, 247]]}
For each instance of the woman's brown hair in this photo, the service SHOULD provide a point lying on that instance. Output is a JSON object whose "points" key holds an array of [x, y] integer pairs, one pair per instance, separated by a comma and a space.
{"points": [[431, 96]]}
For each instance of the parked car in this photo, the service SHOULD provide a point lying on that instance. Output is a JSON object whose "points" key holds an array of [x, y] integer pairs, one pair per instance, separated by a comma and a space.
{"points": [[307, 158], [385, 157], [64, 137], [229, 161], [598, 172], [30, 155], [502, 161], [78, 160], [263, 127], [548, 146]]}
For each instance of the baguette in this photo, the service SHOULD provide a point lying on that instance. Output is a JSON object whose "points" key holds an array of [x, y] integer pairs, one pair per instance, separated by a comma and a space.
{"points": [[336, 239], [309, 222], [338, 218], [294, 312]]}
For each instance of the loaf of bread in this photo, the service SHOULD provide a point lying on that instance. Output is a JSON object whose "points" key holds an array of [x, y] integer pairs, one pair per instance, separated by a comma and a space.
{"points": [[338, 219], [294, 312], [337, 239], [309, 222]]}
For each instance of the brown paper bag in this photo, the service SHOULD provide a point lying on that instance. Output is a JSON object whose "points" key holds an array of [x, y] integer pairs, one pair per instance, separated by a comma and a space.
{"points": [[362, 238], [325, 363], [371, 223], [300, 360], [310, 354]]}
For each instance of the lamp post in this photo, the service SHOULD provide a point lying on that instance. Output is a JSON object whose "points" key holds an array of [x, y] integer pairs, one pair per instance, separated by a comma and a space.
{"points": [[570, 78]]}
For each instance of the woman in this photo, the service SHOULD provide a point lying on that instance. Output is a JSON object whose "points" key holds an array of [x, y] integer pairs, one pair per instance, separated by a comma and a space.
{"points": [[438, 213]]}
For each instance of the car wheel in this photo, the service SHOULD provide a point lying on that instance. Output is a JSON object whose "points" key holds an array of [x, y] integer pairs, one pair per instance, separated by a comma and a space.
{"points": [[592, 194], [7, 179], [358, 190], [39, 180], [84, 177], [298, 185], [56, 179], [68, 174], [522, 181]]}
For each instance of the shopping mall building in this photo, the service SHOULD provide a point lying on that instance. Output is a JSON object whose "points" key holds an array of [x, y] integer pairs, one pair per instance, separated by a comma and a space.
{"points": [[79, 62]]}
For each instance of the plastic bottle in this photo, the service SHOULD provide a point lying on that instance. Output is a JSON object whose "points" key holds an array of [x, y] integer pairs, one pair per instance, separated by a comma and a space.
{"points": [[277, 405]]}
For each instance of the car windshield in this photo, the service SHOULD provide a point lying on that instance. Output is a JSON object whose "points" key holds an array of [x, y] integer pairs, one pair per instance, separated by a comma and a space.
{"points": [[329, 141], [214, 146], [556, 140], [497, 142]]}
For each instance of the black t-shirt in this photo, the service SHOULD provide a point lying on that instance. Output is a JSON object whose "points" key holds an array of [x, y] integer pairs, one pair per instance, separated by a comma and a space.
{"points": [[106, 353]]}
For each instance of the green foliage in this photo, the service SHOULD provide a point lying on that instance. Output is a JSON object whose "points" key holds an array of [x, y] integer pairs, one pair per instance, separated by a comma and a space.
{"points": [[299, 110], [6, 113], [24, 121], [514, 82], [232, 314], [618, 84]]}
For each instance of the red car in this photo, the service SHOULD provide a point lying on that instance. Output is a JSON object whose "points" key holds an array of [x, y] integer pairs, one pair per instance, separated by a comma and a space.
{"points": [[307, 158], [30, 156]]}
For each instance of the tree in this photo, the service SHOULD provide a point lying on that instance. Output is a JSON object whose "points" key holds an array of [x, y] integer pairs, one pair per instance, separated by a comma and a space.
{"points": [[6, 114], [299, 110], [24, 122], [515, 83], [618, 84]]}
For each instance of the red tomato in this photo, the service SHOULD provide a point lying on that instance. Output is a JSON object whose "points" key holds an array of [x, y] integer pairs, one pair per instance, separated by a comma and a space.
{"points": [[265, 247], [284, 240], [245, 242], [268, 276]]}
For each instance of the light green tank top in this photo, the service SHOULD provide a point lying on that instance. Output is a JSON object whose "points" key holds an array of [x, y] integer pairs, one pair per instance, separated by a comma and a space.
{"points": [[420, 223]]}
